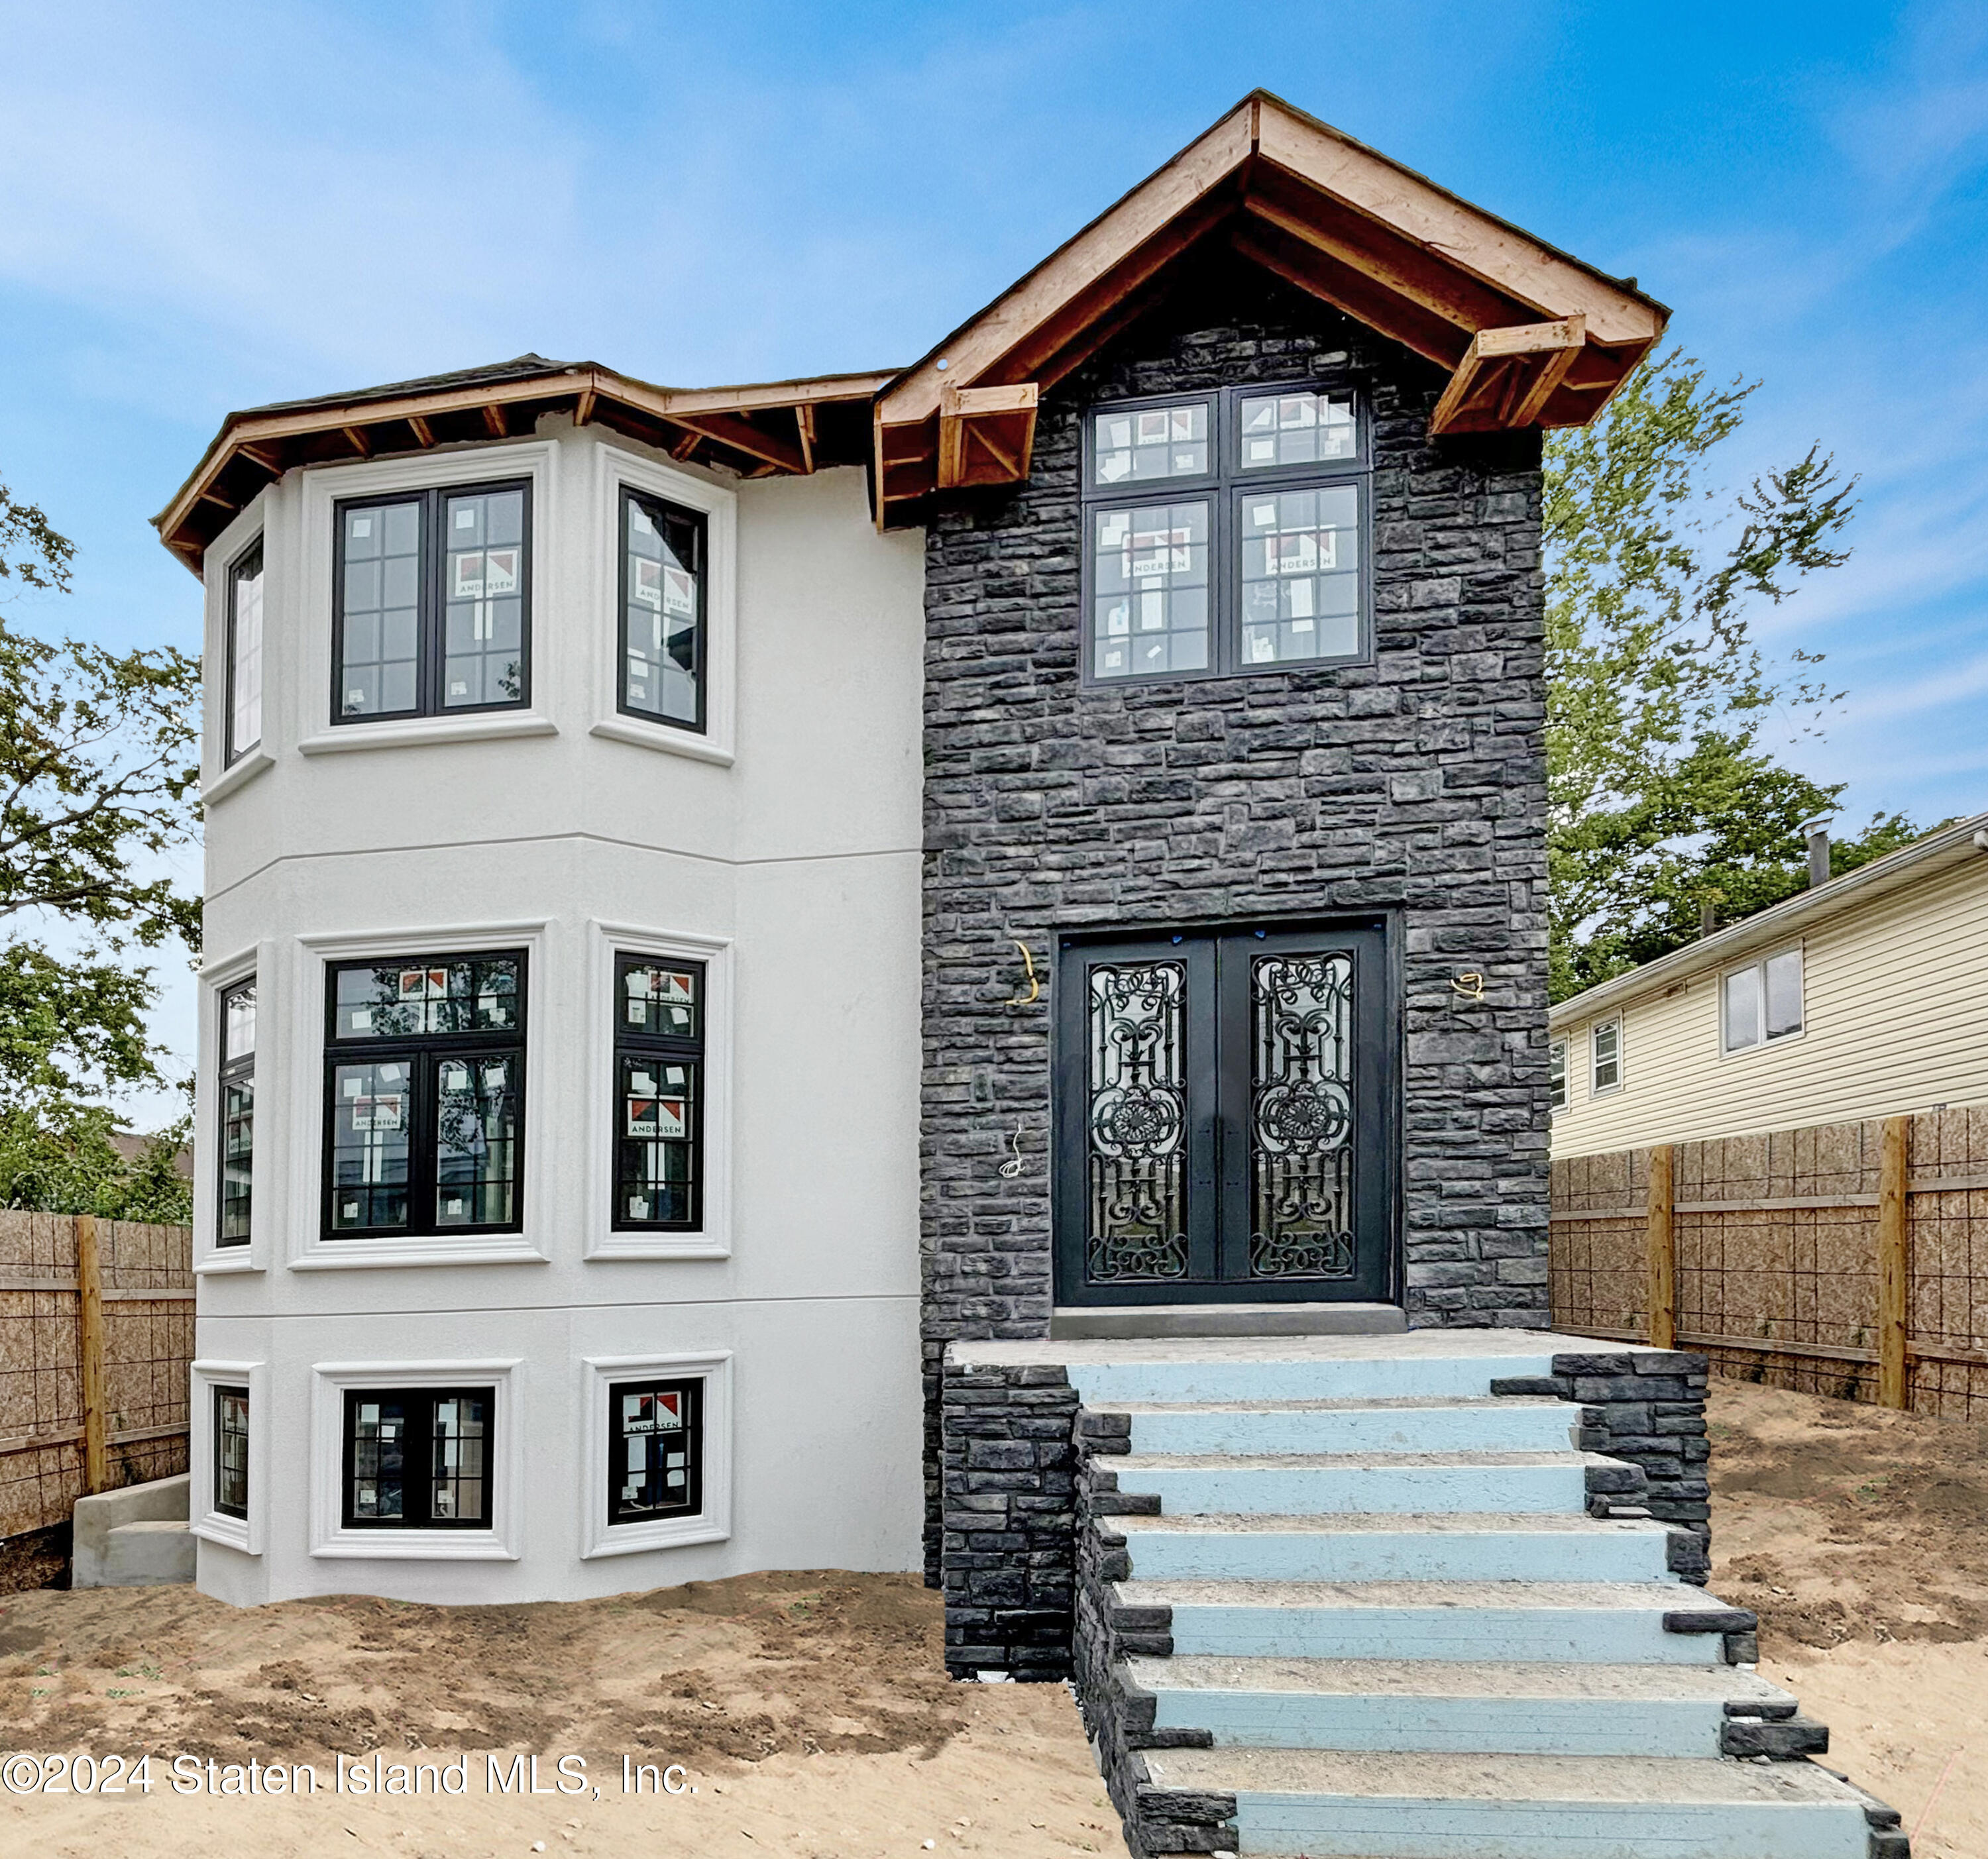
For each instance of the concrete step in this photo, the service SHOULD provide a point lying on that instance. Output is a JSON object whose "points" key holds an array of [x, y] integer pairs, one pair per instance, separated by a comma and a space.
{"points": [[1070, 1322], [1492, 1622], [1482, 1545], [1327, 1804], [1487, 1425], [1456, 1706], [1107, 1375], [1299, 1484]]}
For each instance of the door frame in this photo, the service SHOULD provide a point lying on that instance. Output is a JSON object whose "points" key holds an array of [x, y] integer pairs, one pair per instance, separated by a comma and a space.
{"points": [[1378, 971]]}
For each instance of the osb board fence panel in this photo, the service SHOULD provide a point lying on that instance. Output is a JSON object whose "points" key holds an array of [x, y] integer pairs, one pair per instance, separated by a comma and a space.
{"points": [[1597, 1264], [148, 1343], [1787, 1291]]}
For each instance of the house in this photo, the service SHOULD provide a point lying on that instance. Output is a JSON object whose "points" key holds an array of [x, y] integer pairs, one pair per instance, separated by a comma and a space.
{"points": [[948, 966], [1854, 999]]}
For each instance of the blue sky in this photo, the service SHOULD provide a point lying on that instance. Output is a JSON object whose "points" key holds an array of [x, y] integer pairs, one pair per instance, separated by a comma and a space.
{"points": [[205, 207]]}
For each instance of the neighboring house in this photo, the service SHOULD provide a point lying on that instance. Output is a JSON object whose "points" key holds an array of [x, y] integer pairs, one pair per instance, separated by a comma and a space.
{"points": [[1860, 997], [713, 894]]}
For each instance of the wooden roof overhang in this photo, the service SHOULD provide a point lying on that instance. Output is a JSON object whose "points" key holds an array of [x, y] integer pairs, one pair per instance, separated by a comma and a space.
{"points": [[769, 429], [1529, 336]]}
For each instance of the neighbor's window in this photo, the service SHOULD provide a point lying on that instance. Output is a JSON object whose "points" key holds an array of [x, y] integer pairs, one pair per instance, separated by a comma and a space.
{"points": [[433, 603], [1763, 1001], [1556, 1074], [424, 1095], [655, 1446], [245, 654], [1605, 1050], [417, 1458], [662, 611], [1225, 532], [231, 1451], [658, 1083], [238, 1112]]}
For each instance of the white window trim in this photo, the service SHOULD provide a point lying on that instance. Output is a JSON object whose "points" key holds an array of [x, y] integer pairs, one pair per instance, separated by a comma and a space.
{"points": [[615, 466], [1759, 966], [713, 1239], [331, 1383], [712, 1524], [216, 978], [209, 1525], [1621, 1069], [1564, 1047], [309, 1250], [323, 486]]}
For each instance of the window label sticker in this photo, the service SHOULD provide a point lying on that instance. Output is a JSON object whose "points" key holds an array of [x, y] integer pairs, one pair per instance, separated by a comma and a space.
{"points": [[377, 1114]]}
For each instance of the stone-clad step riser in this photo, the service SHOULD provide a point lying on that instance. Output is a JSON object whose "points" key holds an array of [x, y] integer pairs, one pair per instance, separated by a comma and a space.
{"points": [[1392, 1490], [1461, 1726], [1102, 1384], [1513, 1426], [1327, 1827], [1606, 1636], [1160, 1555]]}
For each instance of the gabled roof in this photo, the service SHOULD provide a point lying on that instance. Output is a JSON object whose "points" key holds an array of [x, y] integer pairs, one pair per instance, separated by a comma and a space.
{"points": [[760, 430], [1529, 336], [1956, 844]]}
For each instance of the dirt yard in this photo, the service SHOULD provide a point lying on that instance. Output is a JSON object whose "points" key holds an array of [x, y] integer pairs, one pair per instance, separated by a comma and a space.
{"points": [[810, 1716], [1860, 1538], [809, 1713]]}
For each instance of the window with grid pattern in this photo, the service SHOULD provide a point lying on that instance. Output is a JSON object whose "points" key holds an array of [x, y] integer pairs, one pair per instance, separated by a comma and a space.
{"points": [[417, 1458]]}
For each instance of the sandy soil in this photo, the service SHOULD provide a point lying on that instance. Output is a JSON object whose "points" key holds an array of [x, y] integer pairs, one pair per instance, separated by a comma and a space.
{"points": [[809, 1712], [1860, 1538], [811, 1717]]}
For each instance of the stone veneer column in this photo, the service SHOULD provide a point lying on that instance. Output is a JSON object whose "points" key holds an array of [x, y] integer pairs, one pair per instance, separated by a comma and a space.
{"points": [[1412, 786]]}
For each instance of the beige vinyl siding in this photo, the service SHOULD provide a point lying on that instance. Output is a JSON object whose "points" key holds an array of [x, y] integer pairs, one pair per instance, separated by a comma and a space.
{"points": [[1895, 1019]]}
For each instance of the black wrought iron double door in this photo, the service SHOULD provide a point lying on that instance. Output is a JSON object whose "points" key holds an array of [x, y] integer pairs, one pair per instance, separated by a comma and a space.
{"points": [[1223, 1118]]}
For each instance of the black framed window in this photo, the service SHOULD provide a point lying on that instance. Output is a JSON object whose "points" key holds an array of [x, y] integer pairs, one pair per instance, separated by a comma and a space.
{"points": [[663, 595], [1226, 532], [433, 608], [231, 1451], [659, 1008], [655, 1449], [417, 1457], [424, 1095], [237, 1085], [245, 654]]}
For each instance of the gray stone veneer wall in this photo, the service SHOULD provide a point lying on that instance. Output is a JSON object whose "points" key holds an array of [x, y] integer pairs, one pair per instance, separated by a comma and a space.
{"points": [[1411, 786]]}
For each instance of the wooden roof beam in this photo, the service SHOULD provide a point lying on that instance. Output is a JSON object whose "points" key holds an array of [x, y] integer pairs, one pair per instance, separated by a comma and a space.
{"points": [[1530, 349], [989, 417], [804, 427], [1346, 289], [729, 429]]}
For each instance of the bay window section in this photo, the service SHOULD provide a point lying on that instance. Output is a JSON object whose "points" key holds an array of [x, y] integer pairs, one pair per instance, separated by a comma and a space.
{"points": [[659, 1090], [244, 716], [655, 1448], [236, 1086], [231, 1451], [1225, 533], [663, 576], [433, 607], [425, 1063], [417, 1458]]}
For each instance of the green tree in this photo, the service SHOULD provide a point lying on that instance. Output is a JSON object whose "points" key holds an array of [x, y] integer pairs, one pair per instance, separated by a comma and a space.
{"points": [[1664, 796], [98, 763]]}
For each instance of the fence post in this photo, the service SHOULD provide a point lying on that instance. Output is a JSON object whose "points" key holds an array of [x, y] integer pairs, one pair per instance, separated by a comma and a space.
{"points": [[1894, 1261], [1662, 1289], [89, 1330]]}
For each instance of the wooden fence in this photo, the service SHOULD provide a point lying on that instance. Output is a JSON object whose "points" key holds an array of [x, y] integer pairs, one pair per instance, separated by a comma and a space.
{"points": [[1845, 1258], [95, 1333]]}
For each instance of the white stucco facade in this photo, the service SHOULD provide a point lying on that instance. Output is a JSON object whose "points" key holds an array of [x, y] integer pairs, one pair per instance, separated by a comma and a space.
{"points": [[780, 847]]}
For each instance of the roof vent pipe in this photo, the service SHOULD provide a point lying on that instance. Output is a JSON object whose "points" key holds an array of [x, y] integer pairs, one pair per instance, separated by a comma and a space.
{"points": [[1818, 856]]}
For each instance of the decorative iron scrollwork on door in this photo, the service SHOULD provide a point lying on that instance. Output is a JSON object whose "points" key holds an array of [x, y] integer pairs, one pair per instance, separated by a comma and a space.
{"points": [[1301, 1117], [1136, 1128]]}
